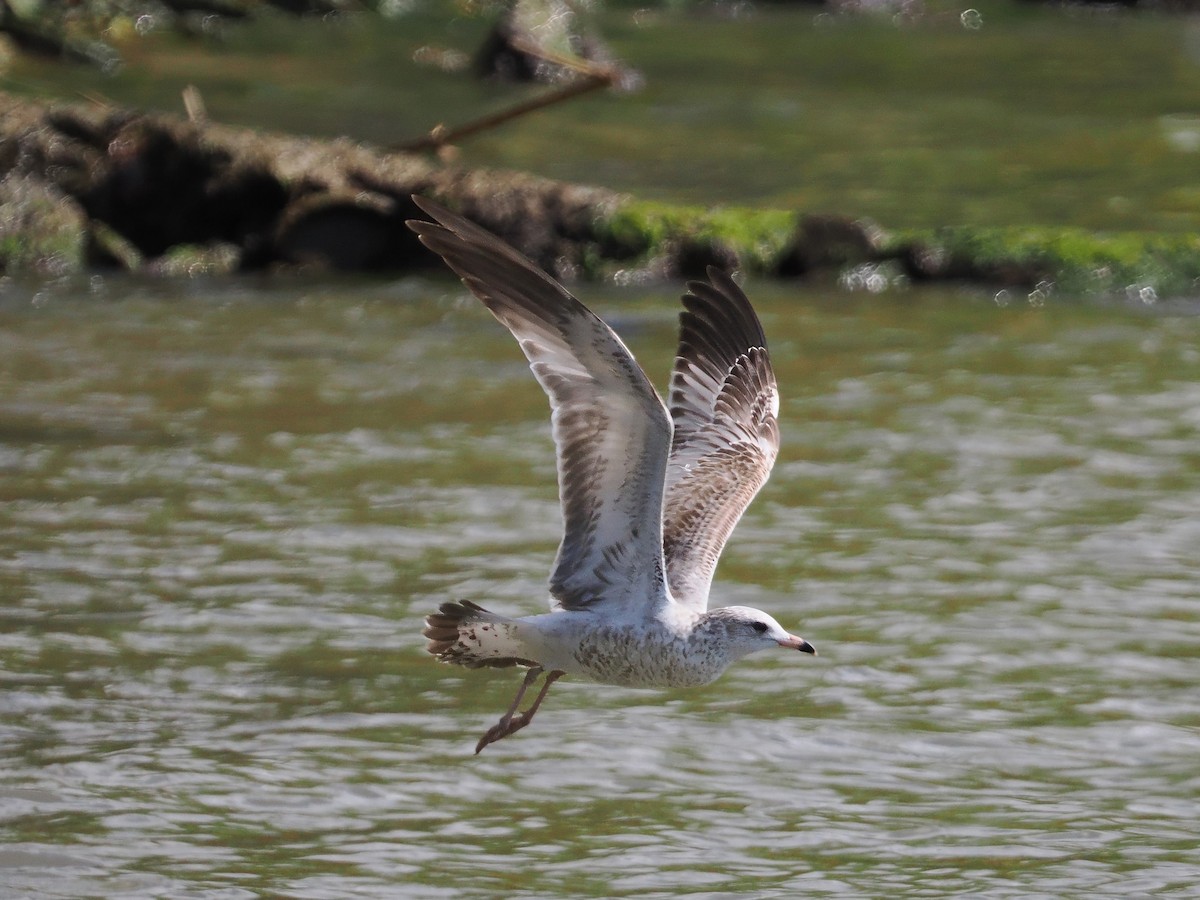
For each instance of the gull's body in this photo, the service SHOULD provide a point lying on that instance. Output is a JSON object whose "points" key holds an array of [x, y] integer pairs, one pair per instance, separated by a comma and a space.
{"points": [[649, 494], [668, 647]]}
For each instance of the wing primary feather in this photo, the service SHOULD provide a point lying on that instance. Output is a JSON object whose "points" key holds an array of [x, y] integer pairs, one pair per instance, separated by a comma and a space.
{"points": [[611, 430]]}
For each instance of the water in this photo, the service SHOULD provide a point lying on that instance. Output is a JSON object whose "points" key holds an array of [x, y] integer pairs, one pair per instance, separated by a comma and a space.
{"points": [[225, 507], [224, 510]]}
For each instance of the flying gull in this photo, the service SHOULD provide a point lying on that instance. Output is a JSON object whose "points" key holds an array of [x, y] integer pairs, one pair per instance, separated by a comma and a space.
{"points": [[649, 495]]}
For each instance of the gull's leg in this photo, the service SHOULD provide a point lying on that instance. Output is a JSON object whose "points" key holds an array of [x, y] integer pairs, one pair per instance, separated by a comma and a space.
{"points": [[526, 717], [503, 727], [510, 721]]}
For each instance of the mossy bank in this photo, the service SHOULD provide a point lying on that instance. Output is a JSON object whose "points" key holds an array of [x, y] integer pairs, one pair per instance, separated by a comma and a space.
{"points": [[88, 187]]}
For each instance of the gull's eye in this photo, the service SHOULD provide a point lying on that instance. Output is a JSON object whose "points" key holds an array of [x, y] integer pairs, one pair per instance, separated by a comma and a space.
{"points": [[760, 627]]}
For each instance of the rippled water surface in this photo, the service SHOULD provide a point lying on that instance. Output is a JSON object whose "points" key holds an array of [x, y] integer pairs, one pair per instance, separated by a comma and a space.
{"points": [[223, 514]]}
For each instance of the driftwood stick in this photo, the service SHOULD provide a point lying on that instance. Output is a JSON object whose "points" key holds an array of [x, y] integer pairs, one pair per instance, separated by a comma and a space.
{"points": [[595, 76], [440, 136]]}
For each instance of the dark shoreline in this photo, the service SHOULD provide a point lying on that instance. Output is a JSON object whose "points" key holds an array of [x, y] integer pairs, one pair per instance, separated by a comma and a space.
{"points": [[91, 188]]}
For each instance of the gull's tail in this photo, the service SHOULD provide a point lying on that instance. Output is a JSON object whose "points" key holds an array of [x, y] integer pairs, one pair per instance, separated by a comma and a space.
{"points": [[466, 634]]}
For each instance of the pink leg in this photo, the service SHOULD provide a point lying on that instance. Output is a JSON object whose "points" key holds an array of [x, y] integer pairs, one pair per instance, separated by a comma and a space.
{"points": [[510, 721]]}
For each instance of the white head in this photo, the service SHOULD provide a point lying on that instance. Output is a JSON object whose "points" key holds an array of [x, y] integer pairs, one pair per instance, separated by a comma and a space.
{"points": [[748, 630]]}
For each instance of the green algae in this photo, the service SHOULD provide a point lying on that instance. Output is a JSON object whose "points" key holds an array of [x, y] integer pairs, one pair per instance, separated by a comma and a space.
{"points": [[644, 229], [1074, 260]]}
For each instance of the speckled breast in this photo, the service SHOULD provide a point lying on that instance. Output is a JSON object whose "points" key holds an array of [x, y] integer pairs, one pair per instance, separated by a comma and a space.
{"points": [[635, 657]]}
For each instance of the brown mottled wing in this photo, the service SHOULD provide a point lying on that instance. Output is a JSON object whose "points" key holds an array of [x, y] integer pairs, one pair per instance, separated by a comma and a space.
{"points": [[611, 430], [724, 403]]}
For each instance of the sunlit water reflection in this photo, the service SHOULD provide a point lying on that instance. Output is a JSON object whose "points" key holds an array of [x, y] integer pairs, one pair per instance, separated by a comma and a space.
{"points": [[223, 515]]}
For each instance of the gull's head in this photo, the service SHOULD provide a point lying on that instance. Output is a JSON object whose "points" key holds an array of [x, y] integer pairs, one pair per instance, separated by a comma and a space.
{"points": [[749, 630]]}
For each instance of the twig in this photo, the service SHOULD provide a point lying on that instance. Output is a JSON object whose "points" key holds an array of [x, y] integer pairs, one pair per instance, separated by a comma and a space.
{"points": [[440, 136], [595, 76]]}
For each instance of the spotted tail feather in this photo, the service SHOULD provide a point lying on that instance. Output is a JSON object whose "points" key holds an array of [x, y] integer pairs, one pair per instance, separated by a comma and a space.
{"points": [[466, 634]]}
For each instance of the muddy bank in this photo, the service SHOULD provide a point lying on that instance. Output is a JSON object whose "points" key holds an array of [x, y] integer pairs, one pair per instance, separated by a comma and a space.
{"points": [[85, 187], [90, 187], [112, 187]]}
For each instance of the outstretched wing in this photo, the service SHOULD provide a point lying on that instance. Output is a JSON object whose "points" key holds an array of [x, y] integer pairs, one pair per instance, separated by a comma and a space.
{"points": [[611, 430], [724, 403]]}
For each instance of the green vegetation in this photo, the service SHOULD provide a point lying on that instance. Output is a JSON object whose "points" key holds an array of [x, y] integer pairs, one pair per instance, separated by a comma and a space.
{"points": [[1074, 260], [646, 228], [41, 231]]}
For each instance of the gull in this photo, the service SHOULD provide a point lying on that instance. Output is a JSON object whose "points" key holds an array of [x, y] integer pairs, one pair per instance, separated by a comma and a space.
{"points": [[649, 494]]}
